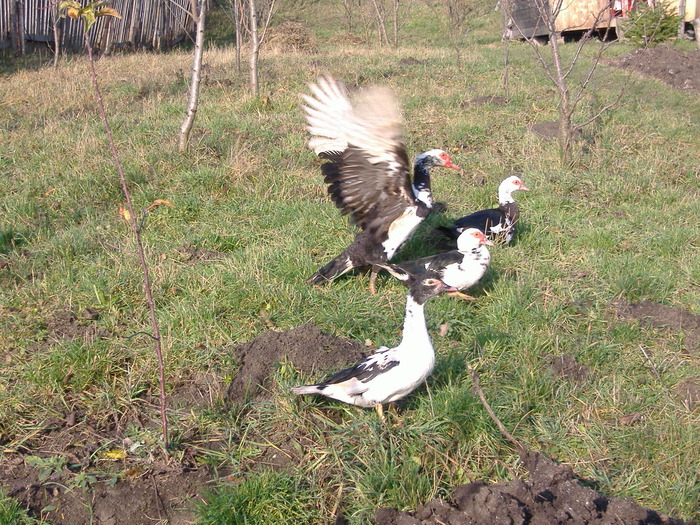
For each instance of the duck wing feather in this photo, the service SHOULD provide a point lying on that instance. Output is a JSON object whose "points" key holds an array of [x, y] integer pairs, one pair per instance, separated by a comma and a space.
{"points": [[368, 173]]}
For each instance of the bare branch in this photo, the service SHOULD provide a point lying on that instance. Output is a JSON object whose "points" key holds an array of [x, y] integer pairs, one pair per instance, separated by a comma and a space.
{"points": [[139, 244], [501, 427], [267, 22]]}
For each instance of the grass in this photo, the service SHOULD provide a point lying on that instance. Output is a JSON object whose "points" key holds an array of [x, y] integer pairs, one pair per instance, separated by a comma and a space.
{"points": [[12, 513], [616, 224]]}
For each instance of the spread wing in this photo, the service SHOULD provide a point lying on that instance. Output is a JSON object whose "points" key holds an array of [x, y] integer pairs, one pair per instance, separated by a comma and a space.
{"points": [[367, 172]]}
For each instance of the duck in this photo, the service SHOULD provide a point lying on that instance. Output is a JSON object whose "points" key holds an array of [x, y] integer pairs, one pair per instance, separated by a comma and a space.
{"points": [[368, 173], [389, 374], [461, 268], [497, 223]]}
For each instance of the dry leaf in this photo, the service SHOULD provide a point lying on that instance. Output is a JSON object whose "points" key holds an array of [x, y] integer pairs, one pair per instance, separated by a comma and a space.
{"points": [[160, 202], [108, 11], [444, 328], [126, 215]]}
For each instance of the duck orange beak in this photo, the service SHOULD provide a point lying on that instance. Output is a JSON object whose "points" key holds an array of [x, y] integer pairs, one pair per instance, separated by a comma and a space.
{"points": [[450, 164]]}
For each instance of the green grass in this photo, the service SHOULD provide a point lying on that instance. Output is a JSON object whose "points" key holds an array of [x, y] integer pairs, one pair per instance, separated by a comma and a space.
{"points": [[619, 223], [12, 513]]}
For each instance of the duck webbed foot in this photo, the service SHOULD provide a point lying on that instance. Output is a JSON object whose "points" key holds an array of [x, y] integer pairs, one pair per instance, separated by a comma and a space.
{"points": [[462, 296]]}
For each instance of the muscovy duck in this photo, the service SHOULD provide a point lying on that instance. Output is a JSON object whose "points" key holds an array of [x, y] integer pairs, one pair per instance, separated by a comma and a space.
{"points": [[461, 268], [498, 223], [390, 373], [368, 172]]}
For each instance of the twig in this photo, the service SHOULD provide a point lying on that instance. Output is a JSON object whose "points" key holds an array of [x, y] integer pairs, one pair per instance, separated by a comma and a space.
{"points": [[139, 333], [139, 243], [504, 432], [159, 503], [655, 370]]}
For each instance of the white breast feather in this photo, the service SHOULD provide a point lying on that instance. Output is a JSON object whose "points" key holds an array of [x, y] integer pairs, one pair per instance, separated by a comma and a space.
{"points": [[400, 230]]}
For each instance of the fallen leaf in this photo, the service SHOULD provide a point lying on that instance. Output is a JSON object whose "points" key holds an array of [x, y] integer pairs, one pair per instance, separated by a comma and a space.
{"points": [[159, 202], [126, 215], [444, 328]]}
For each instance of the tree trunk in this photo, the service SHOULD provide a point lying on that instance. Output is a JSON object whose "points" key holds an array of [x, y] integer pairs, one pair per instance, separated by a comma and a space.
{"points": [[254, 48], [238, 22], [381, 24], [565, 131], [200, 8], [396, 23], [57, 24]]}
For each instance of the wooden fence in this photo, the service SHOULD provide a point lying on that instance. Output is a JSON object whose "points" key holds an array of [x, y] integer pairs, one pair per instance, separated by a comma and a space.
{"points": [[152, 24]]}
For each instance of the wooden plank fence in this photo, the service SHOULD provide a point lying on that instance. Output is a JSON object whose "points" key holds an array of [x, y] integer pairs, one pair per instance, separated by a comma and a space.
{"points": [[151, 24]]}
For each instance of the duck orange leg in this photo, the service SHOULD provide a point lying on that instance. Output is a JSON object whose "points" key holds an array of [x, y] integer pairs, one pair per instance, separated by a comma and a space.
{"points": [[373, 279], [380, 412], [461, 295]]}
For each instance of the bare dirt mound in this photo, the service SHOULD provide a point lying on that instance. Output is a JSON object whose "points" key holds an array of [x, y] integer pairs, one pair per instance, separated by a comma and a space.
{"points": [[661, 316], [667, 64], [305, 346], [551, 495]]}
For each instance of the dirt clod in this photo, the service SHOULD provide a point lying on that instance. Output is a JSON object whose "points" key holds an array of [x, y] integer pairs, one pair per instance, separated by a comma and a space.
{"points": [[551, 494]]}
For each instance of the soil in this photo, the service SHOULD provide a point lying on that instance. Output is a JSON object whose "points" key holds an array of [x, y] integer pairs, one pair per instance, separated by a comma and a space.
{"points": [[306, 347], [147, 490], [135, 489], [667, 64], [552, 494], [660, 316]]}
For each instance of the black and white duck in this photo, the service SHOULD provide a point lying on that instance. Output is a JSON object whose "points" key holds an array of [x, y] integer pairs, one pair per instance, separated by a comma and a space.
{"points": [[390, 373], [368, 173], [498, 224], [461, 268]]}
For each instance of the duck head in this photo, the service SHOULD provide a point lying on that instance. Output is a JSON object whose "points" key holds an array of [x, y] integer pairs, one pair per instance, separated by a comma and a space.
{"points": [[508, 186], [428, 288], [472, 238], [435, 157]]}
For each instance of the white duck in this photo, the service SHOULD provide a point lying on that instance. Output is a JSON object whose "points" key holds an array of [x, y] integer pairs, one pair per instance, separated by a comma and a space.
{"points": [[461, 268], [390, 373]]}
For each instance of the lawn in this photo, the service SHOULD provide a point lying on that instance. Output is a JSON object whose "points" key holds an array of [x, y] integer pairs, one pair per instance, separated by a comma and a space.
{"points": [[614, 228]]}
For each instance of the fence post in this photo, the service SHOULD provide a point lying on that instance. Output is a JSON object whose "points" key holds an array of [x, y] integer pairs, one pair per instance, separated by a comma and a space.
{"points": [[17, 26]]}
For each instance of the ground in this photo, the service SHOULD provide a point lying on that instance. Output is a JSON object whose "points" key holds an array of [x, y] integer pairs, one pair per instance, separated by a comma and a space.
{"points": [[551, 494], [667, 64], [153, 491]]}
